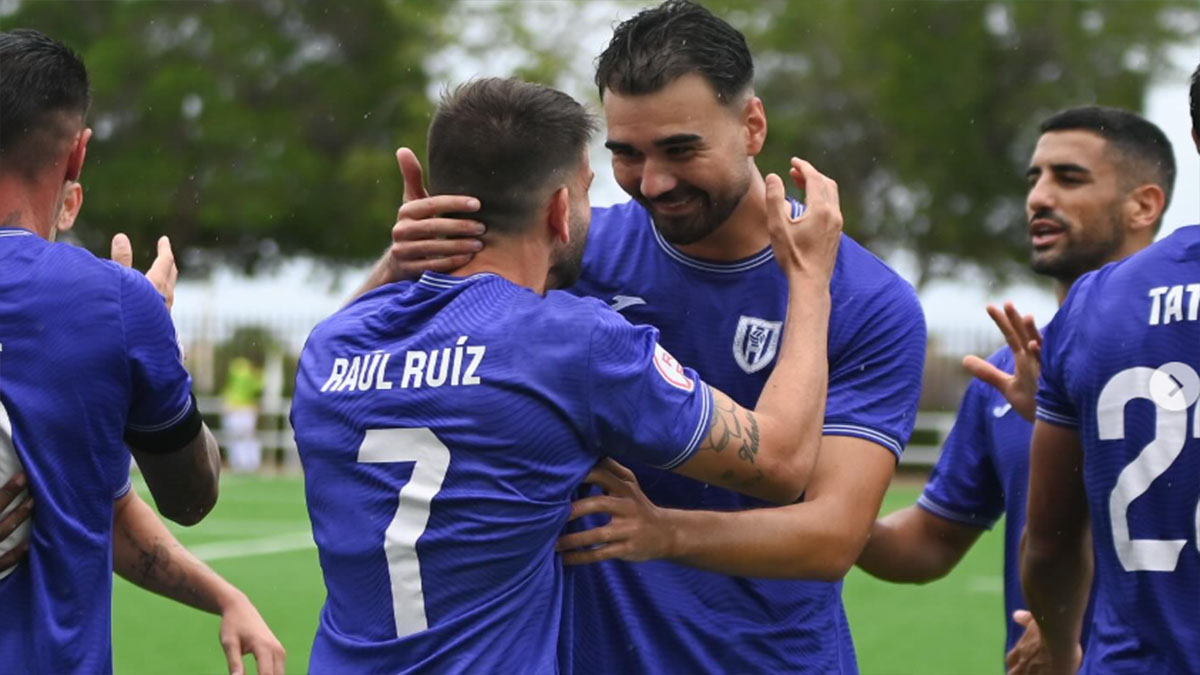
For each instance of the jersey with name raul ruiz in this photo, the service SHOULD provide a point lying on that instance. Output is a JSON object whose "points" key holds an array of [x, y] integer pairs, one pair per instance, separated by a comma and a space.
{"points": [[724, 320], [1119, 365], [444, 426]]}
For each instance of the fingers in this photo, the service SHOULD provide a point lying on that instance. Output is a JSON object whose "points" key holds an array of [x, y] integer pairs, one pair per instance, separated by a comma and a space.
{"points": [[1000, 318], [592, 505], [607, 480], [434, 248], [429, 207], [617, 469], [269, 662], [595, 555], [1017, 322], [13, 520], [14, 556], [596, 536], [122, 250], [11, 489], [1031, 330], [818, 188], [233, 653], [1022, 617], [410, 171], [985, 371]]}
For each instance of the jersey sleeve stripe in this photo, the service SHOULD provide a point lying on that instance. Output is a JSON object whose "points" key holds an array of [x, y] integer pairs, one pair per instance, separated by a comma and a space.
{"points": [[957, 516], [1057, 419], [864, 433], [152, 428], [699, 433]]}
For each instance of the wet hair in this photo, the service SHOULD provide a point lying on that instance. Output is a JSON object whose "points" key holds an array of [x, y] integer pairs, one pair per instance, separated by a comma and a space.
{"points": [[509, 143], [44, 98], [659, 45], [1143, 148]]}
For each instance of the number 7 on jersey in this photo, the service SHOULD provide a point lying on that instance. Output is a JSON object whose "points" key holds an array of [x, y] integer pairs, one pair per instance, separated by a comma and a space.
{"points": [[432, 459]]}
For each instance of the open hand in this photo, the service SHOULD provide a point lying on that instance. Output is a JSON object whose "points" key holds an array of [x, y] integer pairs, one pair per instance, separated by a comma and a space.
{"points": [[162, 273], [1020, 387], [243, 631], [637, 530]]}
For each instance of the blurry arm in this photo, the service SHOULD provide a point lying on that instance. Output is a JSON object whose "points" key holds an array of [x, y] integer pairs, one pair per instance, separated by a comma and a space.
{"points": [[913, 545], [148, 555], [183, 480], [1056, 560]]}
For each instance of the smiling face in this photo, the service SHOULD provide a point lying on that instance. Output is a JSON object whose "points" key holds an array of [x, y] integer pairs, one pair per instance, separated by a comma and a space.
{"points": [[682, 154], [1074, 205]]}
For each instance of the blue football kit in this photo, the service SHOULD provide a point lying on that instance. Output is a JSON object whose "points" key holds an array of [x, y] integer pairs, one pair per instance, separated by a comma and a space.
{"points": [[88, 361], [982, 474], [1119, 365], [444, 426], [724, 320]]}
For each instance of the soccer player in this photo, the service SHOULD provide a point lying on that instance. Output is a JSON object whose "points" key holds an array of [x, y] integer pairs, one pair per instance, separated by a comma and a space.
{"points": [[1099, 181], [742, 588], [444, 425], [1116, 450], [90, 363]]}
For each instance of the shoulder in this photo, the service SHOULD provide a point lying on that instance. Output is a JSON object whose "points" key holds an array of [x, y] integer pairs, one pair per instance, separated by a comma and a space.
{"points": [[870, 298], [615, 236]]}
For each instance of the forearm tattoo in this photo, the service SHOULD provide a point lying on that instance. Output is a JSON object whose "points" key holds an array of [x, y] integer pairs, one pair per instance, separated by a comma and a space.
{"points": [[736, 429], [155, 569]]}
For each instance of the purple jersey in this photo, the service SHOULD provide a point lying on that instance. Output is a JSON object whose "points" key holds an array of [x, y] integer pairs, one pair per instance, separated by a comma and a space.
{"points": [[1119, 365], [725, 320], [88, 359], [444, 426]]}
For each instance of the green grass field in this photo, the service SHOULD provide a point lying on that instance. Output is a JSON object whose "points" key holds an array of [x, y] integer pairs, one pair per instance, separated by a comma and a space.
{"points": [[258, 538]]}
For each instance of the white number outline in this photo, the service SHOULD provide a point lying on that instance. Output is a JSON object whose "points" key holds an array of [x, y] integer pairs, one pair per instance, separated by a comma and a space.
{"points": [[431, 461], [1171, 432]]}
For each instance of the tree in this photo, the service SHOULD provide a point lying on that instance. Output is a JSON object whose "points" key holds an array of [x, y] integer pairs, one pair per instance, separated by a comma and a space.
{"points": [[926, 112], [246, 128]]}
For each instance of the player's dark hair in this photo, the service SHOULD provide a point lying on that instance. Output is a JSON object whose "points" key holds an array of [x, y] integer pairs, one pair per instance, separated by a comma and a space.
{"points": [[1195, 98], [44, 98], [659, 45], [1146, 152], [507, 142]]}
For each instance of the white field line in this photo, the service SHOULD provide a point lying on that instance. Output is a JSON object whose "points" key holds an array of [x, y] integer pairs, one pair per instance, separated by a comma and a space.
{"points": [[244, 548]]}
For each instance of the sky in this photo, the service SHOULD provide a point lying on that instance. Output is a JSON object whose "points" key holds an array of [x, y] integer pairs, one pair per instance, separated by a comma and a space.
{"points": [[303, 288]]}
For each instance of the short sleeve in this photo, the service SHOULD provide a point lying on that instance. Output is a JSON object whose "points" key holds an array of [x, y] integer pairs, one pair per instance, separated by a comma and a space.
{"points": [[1054, 402], [646, 407], [875, 379], [964, 486], [162, 407]]}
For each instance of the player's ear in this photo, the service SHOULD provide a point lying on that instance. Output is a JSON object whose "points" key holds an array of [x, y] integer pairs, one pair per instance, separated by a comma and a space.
{"points": [[754, 121], [558, 217], [78, 153], [1144, 206], [72, 202], [1196, 138]]}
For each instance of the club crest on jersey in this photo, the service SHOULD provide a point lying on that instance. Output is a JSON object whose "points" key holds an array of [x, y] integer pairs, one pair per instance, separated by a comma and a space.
{"points": [[671, 371], [755, 342]]}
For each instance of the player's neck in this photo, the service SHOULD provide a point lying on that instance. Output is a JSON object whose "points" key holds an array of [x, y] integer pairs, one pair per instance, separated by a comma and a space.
{"points": [[743, 234], [521, 260], [19, 202]]}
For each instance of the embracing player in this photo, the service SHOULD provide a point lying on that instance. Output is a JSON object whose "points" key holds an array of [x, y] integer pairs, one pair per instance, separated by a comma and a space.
{"points": [[740, 588], [1099, 181], [1116, 452], [444, 425]]}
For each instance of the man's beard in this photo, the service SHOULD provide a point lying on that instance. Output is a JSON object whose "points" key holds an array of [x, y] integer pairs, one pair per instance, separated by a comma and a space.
{"points": [[712, 212], [568, 264], [1080, 255]]}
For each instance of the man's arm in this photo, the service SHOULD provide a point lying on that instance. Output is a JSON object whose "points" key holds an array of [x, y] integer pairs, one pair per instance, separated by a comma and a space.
{"points": [[913, 545], [770, 452], [148, 555], [183, 480], [1056, 558], [819, 538], [16, 549]]}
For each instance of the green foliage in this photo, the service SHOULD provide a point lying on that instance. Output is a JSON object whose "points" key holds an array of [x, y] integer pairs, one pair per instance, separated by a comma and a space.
{"points": [[926, 112], [246, 128]]}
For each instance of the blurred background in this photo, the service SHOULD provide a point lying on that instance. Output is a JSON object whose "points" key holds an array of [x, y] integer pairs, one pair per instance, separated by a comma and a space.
{"points": [[260, 135]]}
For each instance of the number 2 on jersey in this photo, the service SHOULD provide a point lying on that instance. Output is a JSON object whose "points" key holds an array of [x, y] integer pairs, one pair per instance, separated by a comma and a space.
{"points": [[432, 459], [1171, 433]]}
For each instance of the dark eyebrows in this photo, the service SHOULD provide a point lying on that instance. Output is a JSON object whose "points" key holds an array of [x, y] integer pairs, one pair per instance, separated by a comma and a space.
{"points": [[1058, 169], [677, 139], [614, 146]]}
